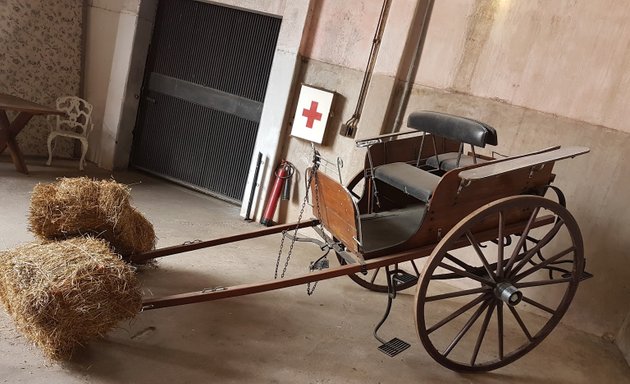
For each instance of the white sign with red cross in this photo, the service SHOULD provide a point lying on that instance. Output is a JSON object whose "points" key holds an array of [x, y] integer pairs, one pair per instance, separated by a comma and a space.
{"points": [[311, 115]]}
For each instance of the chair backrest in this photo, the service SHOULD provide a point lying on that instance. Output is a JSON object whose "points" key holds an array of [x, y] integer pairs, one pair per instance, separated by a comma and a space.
{"points": [[453, 127], [78, 115]]}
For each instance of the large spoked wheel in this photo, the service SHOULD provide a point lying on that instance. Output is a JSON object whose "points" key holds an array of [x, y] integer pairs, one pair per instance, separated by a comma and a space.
{"points": [[482, 305]]}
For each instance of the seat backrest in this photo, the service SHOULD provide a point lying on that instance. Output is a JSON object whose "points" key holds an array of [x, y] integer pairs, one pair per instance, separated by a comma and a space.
{"points": [[78, 114], [453, 127]]}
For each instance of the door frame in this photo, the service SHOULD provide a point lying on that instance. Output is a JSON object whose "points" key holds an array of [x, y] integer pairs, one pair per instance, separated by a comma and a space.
{"points": [[130, 53]]}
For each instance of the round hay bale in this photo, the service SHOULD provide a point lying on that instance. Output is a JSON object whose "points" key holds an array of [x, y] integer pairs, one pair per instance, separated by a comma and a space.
{"points": [[64, 294], [81, 206]]}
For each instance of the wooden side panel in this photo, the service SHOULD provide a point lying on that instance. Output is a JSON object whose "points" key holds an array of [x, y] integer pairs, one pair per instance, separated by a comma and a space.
{"points": [[452, 201], [539, 159], [333, 206]]}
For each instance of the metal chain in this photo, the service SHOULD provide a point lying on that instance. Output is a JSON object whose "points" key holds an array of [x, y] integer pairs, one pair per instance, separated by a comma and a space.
{"points": [[297, 226], [310, 288]]}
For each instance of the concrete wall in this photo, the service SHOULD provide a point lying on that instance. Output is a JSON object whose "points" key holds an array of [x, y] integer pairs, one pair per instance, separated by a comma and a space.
{"points": [[543, 73], [118, 37], [40, 61], [569, 58]]}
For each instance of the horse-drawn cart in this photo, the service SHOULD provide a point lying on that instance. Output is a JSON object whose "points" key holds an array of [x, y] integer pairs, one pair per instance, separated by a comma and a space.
{"points": [[500, 262]]}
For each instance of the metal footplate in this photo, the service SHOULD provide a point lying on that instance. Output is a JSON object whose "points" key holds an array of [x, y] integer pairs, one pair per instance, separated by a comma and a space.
{"points": [[394, 347], [400, 277], [395, 279]]}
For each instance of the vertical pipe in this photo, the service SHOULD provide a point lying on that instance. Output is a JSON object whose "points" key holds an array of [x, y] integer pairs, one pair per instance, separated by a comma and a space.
{"points": [[253, 188]]}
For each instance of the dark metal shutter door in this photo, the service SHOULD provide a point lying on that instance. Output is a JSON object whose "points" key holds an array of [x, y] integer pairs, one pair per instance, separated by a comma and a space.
{"points": [[205, 82]]}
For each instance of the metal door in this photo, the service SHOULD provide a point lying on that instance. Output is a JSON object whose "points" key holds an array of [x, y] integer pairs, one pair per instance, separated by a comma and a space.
{"points": [[205, 81]]}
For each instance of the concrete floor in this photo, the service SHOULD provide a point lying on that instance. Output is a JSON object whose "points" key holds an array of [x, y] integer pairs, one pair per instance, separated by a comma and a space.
{"points": [[283, 336]]}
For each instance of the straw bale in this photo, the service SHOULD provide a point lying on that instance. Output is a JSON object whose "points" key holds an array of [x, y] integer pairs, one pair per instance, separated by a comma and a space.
{"points": [[64, 294], [81, 206]]}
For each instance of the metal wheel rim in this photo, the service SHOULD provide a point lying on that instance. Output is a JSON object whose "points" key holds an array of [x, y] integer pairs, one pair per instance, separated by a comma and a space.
{"points": [[530, 202]]}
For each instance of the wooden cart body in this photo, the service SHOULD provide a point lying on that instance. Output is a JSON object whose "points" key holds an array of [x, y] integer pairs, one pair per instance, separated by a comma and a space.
{"points": [[402, 222]]}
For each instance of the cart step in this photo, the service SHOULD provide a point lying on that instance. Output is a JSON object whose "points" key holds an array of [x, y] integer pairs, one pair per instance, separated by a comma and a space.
{"points": [[583, 276], [400, 277], [394, 347]]}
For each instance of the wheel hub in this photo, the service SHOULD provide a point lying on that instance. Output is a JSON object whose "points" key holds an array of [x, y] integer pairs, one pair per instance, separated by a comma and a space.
{"points": [[508, 293]]}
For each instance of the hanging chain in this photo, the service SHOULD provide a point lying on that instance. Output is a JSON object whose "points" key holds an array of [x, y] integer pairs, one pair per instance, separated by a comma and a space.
{"points": [[310, 288], [297, 226]]}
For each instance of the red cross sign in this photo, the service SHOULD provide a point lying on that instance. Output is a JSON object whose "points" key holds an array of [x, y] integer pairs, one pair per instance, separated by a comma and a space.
{"points": [[311, 113]]}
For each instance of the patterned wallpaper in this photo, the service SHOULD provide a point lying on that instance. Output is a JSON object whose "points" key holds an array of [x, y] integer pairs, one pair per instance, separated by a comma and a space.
{"points": [[40, 60]]}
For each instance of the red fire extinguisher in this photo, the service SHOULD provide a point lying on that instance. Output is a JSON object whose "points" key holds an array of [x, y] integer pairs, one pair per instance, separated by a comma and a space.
{"points": [[282, 182]]}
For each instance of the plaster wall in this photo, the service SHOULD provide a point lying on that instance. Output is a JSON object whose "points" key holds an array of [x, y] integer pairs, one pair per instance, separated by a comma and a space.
{"points": [[269, 7], [342, 35], [541, 74], [569, 58], [118, 36], [41, 61]]}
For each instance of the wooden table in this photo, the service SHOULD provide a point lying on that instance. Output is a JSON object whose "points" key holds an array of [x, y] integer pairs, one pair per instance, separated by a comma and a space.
{"points": [[9, 130]]}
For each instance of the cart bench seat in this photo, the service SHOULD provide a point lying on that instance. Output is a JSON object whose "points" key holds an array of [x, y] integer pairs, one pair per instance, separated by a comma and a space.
{"points": [[420, 183], [409, 179], [448, 161]]}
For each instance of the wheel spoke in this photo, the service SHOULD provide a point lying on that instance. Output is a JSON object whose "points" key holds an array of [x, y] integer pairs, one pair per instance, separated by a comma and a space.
{"points": [[482, 333], [520, 323], [473, 242], [465, 274], [539, 266], [415, 267], [374, 275], [500, 328], [544, 241], [455, 314], [538, 305], [455, 260], [519, 245], [500, 246], [538, 283], [465, 329], [456, 294]]}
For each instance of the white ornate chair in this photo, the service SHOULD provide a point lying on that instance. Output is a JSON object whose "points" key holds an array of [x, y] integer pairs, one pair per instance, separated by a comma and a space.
{"points": [[76, 123]]}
